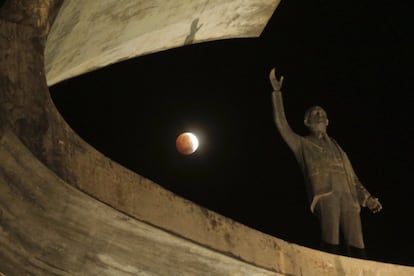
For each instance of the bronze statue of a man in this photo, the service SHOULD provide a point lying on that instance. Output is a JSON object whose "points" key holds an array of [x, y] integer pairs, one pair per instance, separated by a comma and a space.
{"points": [[334, 191]]}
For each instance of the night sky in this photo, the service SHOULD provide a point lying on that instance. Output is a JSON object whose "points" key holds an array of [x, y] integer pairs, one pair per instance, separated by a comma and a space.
{"points": [[347, 56]]}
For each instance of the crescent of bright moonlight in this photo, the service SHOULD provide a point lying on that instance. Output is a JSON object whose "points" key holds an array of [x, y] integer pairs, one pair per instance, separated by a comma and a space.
{"points": [[186, 143]]}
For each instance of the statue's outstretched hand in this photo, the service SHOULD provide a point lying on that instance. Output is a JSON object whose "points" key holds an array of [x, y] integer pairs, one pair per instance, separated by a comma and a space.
{"points": [[373, 204], [277, 84]]}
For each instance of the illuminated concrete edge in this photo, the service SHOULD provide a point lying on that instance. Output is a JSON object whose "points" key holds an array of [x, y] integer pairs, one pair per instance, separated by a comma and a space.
{"points": [[49, 227], [66, 209], [91, 34]]}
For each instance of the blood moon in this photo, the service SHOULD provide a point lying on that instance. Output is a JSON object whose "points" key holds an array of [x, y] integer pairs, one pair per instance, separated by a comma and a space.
{"points": [[186, 143]]}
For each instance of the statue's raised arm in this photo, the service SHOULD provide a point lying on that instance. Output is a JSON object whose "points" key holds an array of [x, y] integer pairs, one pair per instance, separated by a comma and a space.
{"points": [[290, 137]]}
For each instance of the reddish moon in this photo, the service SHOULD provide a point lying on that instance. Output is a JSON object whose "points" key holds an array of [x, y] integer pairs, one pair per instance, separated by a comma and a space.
{"points": [[186, 143]]}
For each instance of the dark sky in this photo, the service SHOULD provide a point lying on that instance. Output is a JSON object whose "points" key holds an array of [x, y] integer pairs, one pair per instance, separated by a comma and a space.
{"points": [[347, 56]]}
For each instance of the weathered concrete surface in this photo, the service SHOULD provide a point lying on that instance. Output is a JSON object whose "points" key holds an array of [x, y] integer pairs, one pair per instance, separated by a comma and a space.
{"points": [[49, 227], [91, 34]]}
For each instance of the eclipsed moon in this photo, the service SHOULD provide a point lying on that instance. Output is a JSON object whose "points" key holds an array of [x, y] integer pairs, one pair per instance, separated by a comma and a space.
{"points": [[186, 143]]}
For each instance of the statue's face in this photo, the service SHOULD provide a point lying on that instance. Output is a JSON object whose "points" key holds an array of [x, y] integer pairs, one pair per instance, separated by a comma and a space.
{"points": [[316, 119]]}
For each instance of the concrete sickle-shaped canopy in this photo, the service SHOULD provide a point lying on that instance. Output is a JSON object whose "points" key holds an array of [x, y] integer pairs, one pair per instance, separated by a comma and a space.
{"points": [[65, 209], [91, 34]]}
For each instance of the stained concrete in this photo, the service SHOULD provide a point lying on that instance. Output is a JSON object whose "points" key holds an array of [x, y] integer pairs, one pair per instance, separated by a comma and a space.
{"points": [[88, 35], [50, 228]]}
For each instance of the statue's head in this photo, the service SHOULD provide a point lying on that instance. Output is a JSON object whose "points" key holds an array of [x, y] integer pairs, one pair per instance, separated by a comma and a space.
{"points": [[316, 119]]}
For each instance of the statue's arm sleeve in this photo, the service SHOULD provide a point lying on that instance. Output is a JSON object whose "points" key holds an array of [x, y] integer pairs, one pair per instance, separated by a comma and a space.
{"points": [[290, 137], [362, 192]]}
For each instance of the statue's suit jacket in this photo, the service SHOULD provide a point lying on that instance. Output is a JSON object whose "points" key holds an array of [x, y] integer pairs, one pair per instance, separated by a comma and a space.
{"points": [[317, 168]]}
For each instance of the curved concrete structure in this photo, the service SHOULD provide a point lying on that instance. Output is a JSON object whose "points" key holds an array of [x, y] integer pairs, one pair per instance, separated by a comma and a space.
{"points": [[49, 227], [65, 209], [91, 34]]}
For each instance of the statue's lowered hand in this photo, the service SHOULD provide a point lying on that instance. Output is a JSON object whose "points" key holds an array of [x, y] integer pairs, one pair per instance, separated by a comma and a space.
{"points": [[373, 204], [276, 84]]}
